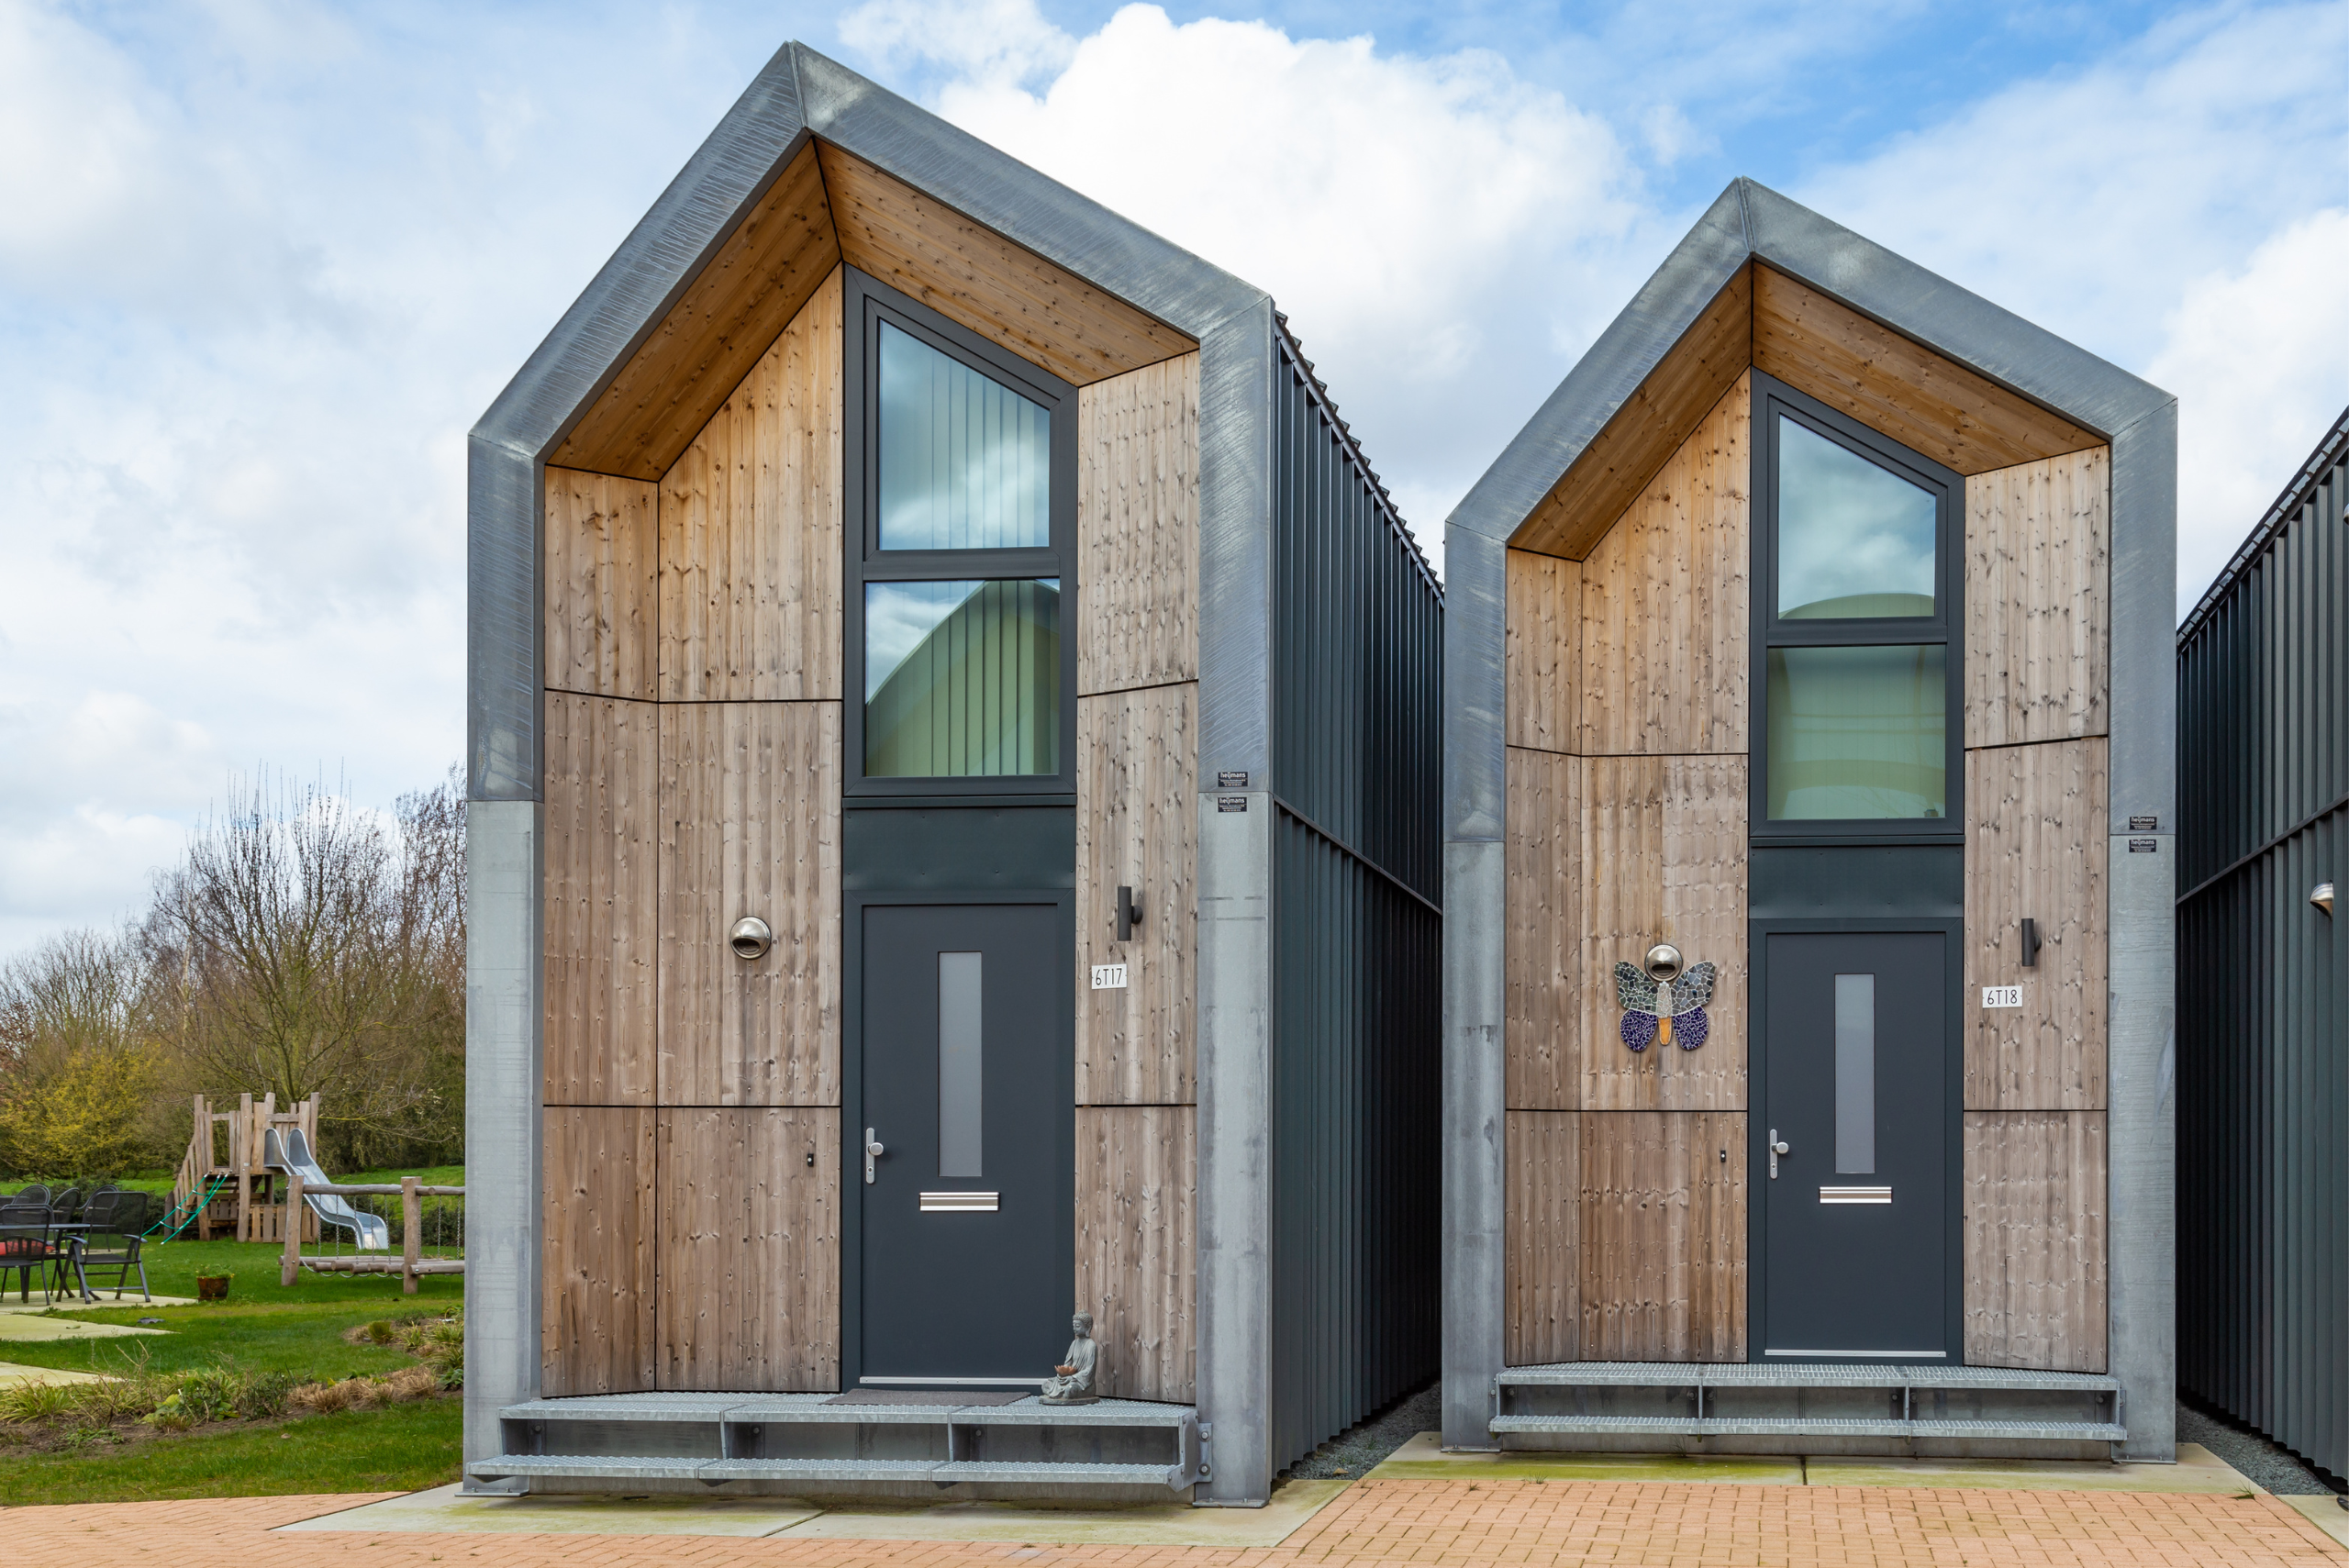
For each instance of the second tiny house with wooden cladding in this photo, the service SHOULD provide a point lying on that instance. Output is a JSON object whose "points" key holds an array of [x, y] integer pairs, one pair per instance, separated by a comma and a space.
{"points": [[1808, 864], [954, 804]]}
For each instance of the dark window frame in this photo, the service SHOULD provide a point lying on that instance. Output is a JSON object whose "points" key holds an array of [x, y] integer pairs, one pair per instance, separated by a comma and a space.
{"points": [[1945, 627], [866, 302]]}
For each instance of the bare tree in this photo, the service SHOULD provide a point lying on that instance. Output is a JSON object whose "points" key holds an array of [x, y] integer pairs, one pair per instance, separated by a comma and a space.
{"points": [[308, 946]]}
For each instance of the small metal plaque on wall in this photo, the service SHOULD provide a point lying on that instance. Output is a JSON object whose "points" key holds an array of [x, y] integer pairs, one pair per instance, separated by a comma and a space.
{"points": [[2144, 824], [2145, 846], [1108, 977], [2002, 996], [1231, 781], [1231, 803]]}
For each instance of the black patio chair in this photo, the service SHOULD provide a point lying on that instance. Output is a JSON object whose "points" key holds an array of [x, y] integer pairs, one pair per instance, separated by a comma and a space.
{"points": [[28, 1242], [38, 1193], [65, 1205], [106, 1242]]}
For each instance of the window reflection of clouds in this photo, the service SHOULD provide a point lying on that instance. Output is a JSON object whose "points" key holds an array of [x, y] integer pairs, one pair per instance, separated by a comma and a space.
{"points": [[1853, 539], [1857, 733], [964, 460], [898, 617]]}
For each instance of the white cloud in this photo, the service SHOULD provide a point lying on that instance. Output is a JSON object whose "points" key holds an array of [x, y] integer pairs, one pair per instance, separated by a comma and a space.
{"points": [[2261, 347]]}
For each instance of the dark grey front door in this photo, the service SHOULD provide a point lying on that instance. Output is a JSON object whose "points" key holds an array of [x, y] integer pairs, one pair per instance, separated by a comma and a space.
{"points": [[966, 1219], [1859, 1213]]}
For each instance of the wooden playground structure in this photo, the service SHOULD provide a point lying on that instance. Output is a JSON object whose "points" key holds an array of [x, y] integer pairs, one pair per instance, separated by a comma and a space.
{"points": [[245, 1201], [410, 1265]]}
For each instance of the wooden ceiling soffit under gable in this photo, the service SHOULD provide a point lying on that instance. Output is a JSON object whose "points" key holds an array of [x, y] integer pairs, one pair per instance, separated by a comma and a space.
{"points": [[1899, 386], [1634, 445], [728, 316], [1002, 291], [1886, 382]]}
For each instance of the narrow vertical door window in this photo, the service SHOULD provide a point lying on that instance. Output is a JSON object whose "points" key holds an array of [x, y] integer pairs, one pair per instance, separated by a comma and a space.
{"points": [[1854, 1074], [961, 1059]]}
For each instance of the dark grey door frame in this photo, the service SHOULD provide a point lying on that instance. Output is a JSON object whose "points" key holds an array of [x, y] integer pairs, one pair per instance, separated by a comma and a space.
{"points": [[1060, 1097], [1757, 1160]]}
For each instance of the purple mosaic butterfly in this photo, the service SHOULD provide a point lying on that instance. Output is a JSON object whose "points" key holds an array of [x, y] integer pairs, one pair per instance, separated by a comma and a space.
{"points": [[1668, 1010]]}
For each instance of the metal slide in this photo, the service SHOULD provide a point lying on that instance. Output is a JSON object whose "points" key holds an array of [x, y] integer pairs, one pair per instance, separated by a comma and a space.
{"points": [[288, 1149]]}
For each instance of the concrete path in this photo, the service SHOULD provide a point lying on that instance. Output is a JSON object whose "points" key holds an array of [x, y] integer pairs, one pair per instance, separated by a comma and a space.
{"points": [[10, 1373], [106, 1299], [1535, 1521]]}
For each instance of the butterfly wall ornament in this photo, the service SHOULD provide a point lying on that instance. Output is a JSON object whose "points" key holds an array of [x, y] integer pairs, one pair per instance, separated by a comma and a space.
{"points": [[1665, 1001]]}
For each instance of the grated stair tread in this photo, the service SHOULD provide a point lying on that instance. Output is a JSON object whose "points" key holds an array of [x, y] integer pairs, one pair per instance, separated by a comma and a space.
{"points": [[1806, 1426]]}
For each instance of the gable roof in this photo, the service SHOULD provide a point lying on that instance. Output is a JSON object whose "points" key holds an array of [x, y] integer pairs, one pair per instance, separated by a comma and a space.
{"points": [[1749, 223]]}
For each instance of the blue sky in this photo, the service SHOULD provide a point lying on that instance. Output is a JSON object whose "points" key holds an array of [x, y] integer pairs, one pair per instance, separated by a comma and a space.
{"points": [[265, 260]]}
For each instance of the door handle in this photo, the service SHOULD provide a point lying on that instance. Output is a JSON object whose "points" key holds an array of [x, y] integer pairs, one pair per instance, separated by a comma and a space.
{"points": [[1777, 1149], [873, 1151]]}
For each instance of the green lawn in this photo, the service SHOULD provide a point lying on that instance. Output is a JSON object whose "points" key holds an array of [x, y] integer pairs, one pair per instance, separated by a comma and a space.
{"points": [[403, 1448]]}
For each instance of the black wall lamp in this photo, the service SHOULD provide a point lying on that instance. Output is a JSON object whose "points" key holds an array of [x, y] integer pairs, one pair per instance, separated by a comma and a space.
{"points": [[1128, 913], [2030, 944]]}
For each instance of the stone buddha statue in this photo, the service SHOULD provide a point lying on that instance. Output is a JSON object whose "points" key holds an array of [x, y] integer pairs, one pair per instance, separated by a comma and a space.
{"points": [[1073, 1382]]}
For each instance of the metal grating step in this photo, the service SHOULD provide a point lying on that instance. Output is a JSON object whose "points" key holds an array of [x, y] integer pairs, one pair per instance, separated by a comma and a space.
{"points": [[1815, 1427], [1167, 1476], [579, 1467], [1798, 1375], [818, 1470], [588, 1467]]}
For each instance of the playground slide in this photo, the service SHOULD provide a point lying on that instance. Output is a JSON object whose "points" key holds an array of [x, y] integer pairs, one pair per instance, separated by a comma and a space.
{"points": [[287, 1150]]}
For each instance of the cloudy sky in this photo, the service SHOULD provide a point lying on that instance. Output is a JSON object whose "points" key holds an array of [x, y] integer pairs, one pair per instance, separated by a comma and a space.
{"points": [[262, 261]]}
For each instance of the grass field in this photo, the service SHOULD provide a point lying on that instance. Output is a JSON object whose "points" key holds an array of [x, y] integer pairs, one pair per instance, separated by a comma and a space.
{"points": [[262, 1328]]}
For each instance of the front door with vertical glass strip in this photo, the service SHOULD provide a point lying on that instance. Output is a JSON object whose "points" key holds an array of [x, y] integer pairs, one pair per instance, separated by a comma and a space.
{"points": [[964, 1186], [1854, 1124]]}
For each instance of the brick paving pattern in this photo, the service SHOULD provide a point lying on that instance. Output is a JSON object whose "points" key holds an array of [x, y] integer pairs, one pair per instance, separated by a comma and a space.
{"points": [[1432, 1522]]}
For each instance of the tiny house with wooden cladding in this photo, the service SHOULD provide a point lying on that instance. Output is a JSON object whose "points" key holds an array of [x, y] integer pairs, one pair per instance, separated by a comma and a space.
{"points": [[955, 778], [1809, 868]]}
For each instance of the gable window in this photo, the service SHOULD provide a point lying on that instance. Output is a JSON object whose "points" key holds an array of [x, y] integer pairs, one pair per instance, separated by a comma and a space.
{"points": [[962, 501], [1857, 576]]}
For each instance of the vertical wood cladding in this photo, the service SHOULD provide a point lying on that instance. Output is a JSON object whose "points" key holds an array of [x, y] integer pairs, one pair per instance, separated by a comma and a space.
{"points": [[1137, 826], [750, 1248], [597, 1326], [2035, 1291], [1664, 601], [1606, 857], [602, 575], [2038, 610], [751, 530], [602, 899], [1662, 1241], [2036, 848], [1137, 1245], [1138, 528], [1545, 652], [750, 825], [1543, 1249]]}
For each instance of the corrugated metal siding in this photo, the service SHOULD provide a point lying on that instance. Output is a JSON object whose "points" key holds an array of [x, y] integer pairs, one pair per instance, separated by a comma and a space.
{"points": [[2262, 1116], [1356, 844]]}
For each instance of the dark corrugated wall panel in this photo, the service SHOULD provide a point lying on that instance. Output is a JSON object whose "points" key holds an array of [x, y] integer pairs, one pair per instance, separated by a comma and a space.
{"points": [[2263, 1103], [1356, 846]]}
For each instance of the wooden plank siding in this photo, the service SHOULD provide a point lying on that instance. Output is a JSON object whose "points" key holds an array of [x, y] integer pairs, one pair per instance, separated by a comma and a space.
{"points": [[1137, 826], [1137, 1245], [1664, 603], [751, 530], [601, 899], [2036, 846], [757, 281], [1898, 385], [602, 571], [750, 825], [969, 273], [597, 1329], [1138, 528], [749, 1249], [1541, 943], [2038, 601], [2035, 1268], [1633, 446], [1543, 657], [1542, 1253], [1662, 1236]]}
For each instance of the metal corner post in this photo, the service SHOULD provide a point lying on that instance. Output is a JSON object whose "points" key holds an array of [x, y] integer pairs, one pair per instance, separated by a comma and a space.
{"points": [[2142, 925], [1235, 934], [504, 1018], [1475, 917]]}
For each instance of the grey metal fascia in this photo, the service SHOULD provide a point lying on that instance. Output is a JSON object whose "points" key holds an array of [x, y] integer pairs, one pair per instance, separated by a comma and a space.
{"points": [[984, 183], [1603, 380], [565, 373], [1236, 369], [1953, 322]]}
